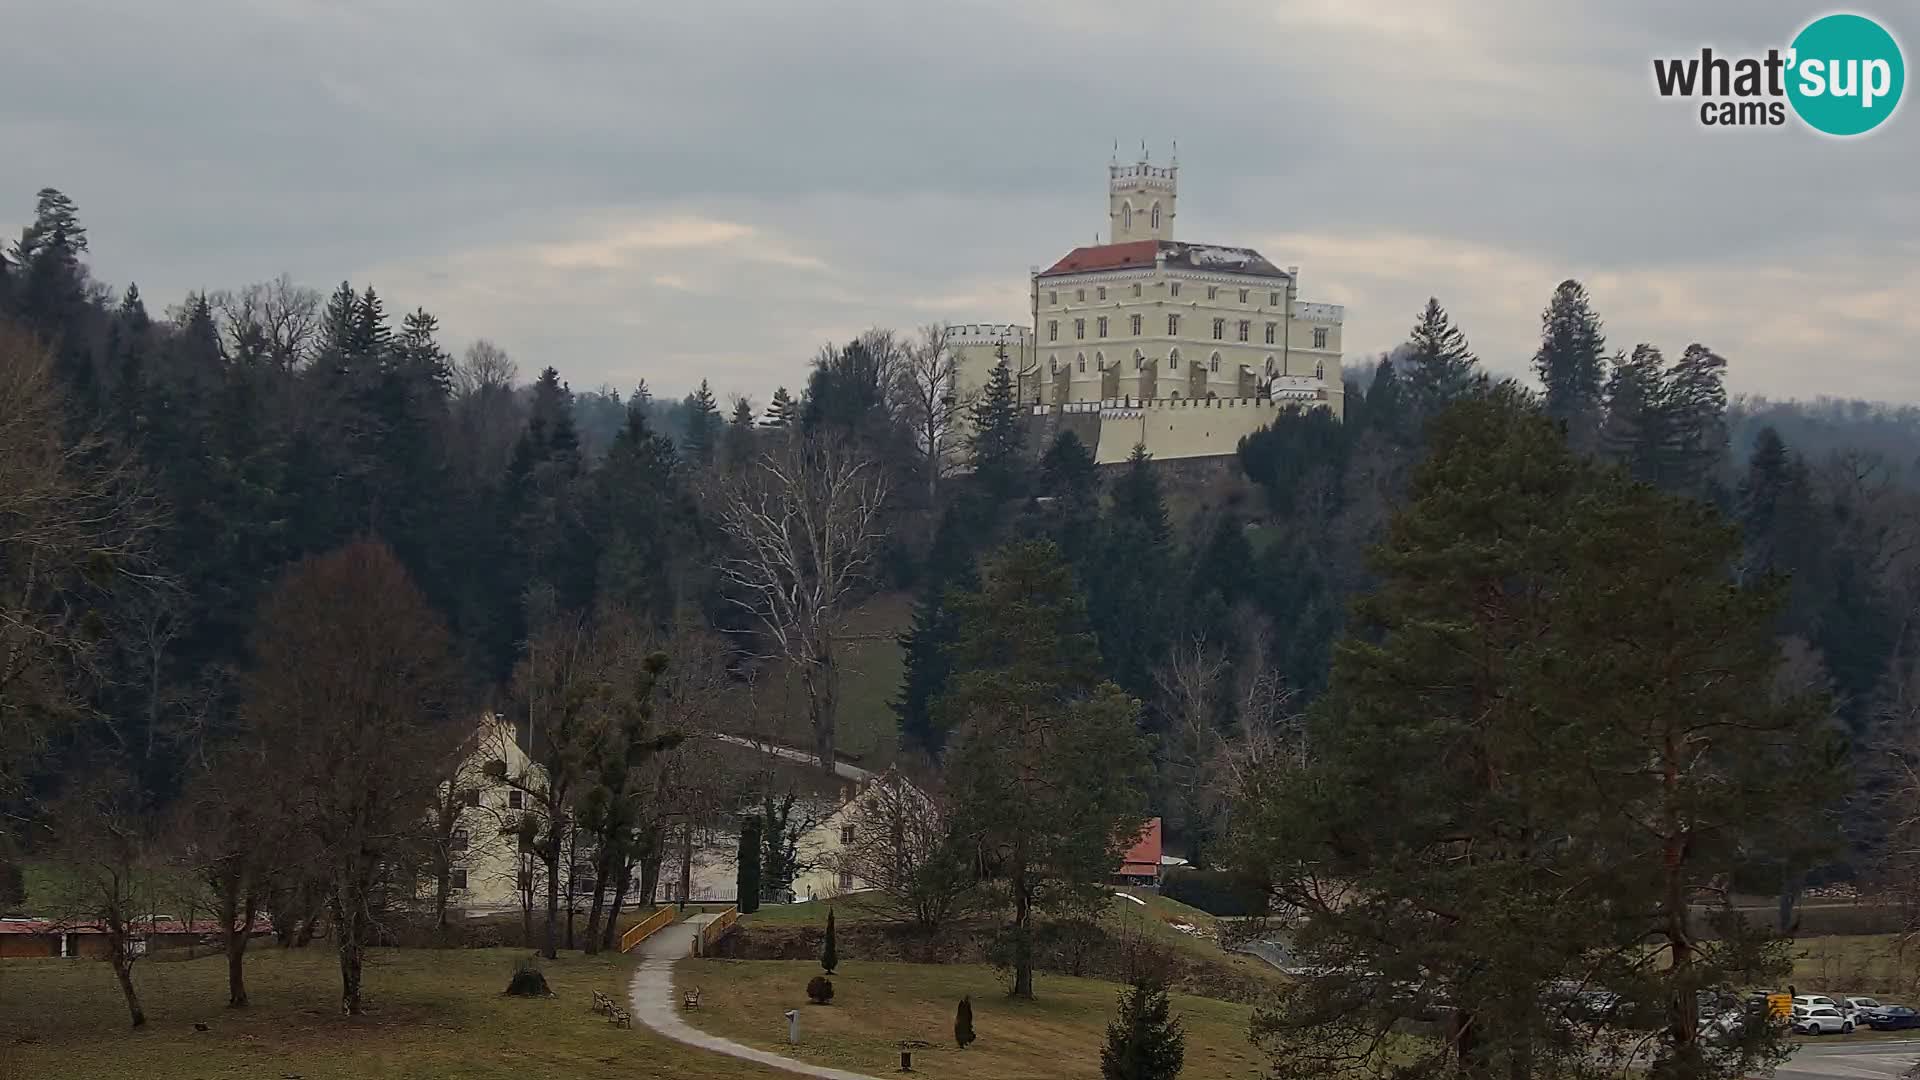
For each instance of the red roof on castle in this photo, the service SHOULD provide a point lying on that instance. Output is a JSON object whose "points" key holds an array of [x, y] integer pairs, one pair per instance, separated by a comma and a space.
{"points": [[1143, 858], [1176, 253], [1106, 257]]}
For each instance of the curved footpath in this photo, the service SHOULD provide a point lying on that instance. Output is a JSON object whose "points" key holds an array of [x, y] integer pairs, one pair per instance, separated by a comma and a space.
{"points": [[650, 996]]}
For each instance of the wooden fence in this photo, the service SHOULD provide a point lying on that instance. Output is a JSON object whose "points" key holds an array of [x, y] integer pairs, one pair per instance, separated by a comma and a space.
{"points": [[711, 933], [645, 928]]}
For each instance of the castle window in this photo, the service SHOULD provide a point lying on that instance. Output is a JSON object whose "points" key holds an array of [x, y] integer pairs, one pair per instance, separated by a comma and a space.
{"points": [[1136, 326], [1273, 299], [1173, 360], [1079, 329], [458, 841], [1126, 215], [1213, 292], [1319, 370], [1272, 328], [1219, 329], [846, 880], [515, 799], [1053, 364], [1139, 360], [1136, 288], [1319, 337], [1053, 296], [846, 835], [1213, 363], [1102, 327], [1081, 363], [1079, 295], [1101, 293], [456, 878], [471, 796], [1053, 329], [1156, 216], [1173, 325], [1245, 326], [1173, 288], [1243, 296]]}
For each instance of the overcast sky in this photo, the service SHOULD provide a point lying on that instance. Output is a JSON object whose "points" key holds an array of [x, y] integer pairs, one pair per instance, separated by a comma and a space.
{"points": [[676, 190]]}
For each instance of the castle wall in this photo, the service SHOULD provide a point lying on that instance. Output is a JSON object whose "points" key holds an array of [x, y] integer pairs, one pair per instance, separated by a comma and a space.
{"points": [[1171, 429]]}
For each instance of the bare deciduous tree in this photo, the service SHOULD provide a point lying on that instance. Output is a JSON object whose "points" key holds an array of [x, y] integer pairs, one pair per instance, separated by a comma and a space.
{"points": [[904, 848], [108, 850], [929, 387], [276, 321], [804, 526], [357, 692]]}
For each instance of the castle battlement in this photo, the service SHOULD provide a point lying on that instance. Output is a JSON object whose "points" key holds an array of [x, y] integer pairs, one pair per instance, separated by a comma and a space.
{"points": [[987, 333]]}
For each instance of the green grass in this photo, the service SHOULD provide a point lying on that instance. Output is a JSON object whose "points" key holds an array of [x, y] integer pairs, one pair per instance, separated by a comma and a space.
{"points": [[433, 1015], [876, 1006], [871, 664], [1876, 964]]}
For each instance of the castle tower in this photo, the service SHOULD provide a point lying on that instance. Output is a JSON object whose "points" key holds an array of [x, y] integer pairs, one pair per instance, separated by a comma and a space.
{"points": [[1140, 199]]}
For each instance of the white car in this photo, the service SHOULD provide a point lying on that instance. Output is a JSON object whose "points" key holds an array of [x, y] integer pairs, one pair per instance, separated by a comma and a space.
{"points": [[1811, 1001], [1820, 1020], [1857, 1009]]}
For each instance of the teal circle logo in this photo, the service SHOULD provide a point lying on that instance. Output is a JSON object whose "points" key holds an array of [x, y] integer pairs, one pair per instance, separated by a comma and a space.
{"points": [[1845, 74]]}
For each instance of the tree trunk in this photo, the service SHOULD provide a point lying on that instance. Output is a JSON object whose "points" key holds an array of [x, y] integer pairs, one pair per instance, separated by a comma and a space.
{"points": [[1022, 927], [551, 949], [237, 959], [348, 929], [611, 931], [573, 879], [820, 705], [686, 865], [599, 896], [118, 948], [442, 885], [308, 927], [649, 878], [524, 883], [1683, 1010]]}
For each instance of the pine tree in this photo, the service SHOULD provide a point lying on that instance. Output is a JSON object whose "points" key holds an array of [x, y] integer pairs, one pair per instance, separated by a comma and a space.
{"points": [[1439, 366], [371, 338], [641, 398], [784, 411], [1635, 427], [829, 951], [1137, 498], [996, 450], [963, 1023], [739, 438], [929, 638], [1067, 469], [703, 425], [1386, 402], [1694, 407], [1144, 1042], [747, 879], [646, 521], [1571, 363]]}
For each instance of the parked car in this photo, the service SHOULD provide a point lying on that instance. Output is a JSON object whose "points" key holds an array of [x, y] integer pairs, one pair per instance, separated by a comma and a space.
{"points": [[1893, 1018], [1814, 1001], [1820, 1020], [1858, 1009]]}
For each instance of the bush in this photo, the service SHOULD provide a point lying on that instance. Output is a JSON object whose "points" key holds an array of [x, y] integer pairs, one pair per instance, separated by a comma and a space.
{"points": [[820, 990], [1215, 892], [829, 953], [528, 981], [963, 1023]]}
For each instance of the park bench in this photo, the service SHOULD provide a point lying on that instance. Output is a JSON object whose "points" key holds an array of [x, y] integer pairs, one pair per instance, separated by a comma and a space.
{"points": [[619, 1017], [602, 1003], [692, 998]]}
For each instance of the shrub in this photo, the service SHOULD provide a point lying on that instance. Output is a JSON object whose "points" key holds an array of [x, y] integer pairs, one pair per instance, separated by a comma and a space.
{"points": [[829, 954], [963, 1023], [528, 981], [820, 990]]}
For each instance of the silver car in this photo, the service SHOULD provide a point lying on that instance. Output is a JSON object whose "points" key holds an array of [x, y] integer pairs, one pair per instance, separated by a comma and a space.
{"points": [[1820, 1020]]}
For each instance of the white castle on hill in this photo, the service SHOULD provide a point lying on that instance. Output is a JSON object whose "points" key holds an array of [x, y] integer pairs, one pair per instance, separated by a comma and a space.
{"points": [[1182, 347]]}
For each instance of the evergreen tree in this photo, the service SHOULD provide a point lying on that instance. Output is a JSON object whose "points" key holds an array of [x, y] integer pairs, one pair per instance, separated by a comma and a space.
{"points": [[646, 522], [963, 1023], [1635, 427], [784, 412], [829, 951], [371, 337], [927, 643], [641, 398], [1693, 404], [739, 436], [1136, 497], [703, 425], [1386, 402], [1440, 368], [1067, 470], [996, 451], [48, 293], [747, 879], [1145, 1041], [1571, 363]]}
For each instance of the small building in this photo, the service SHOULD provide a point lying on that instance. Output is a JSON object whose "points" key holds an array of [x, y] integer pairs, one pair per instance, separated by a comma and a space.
{"points": [[1142, 864], [32, 937]]}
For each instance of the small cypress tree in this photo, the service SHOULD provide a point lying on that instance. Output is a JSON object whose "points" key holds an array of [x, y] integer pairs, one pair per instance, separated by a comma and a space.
{"points": [[963, 1023], [829, 955], [748, 881], [1143, 1042]]}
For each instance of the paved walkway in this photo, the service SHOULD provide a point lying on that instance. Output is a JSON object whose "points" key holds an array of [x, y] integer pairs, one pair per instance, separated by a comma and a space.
{"points": [[651, 997], [840, 768]]}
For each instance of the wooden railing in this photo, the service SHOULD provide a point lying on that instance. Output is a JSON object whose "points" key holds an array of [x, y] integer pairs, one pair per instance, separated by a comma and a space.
{"points": [[645, 928], [711, 933]]}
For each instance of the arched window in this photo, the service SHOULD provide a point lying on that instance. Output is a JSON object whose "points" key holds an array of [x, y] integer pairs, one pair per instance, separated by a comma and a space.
{"points": [[1269, 365], [1081, 362], [1099, 361], [1126, 216], [1139, 360], [1319, 371], [1213, 363], [1156, 217], [1053, 364], [1173, 360], [1176, 395]]}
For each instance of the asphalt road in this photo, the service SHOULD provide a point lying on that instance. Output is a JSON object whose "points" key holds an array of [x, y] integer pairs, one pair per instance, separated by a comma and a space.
{"points": [[1837, 1057]]}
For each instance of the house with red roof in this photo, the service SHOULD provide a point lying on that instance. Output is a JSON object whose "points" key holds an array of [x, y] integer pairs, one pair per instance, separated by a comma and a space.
{"points": [[1141, 864]]}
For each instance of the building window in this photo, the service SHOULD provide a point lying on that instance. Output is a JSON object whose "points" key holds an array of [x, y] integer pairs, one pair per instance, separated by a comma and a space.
{"points": [[1213, 363], [457, 879], [1081, 363], [1126, 216], [1136, 326], [1213, 292], [1245, 326], [1101, 293], [458, 841], [1173, 360], [1219, 329], [1053, 329], [1079, 295], [1156, 217], [1136, 288], [1079, 329], [1053, 297], [1272, 329], [846, 834], [1273, 299], [1139, 360], [1053, 364], [1102, 326], [1173, 325], [846, 880], [1319, 337], [471, 796], [1243, 296], [516, 799], [1173, 288], [1319, 370]]}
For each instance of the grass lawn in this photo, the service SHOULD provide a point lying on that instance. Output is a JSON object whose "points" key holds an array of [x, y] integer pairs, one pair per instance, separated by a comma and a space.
{"points": [[875, 1006], [1873, 964], [434, 1014]]}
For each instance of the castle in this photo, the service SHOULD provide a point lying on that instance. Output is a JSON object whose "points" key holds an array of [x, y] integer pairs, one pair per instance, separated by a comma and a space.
{"points": [[1183, 348]]}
